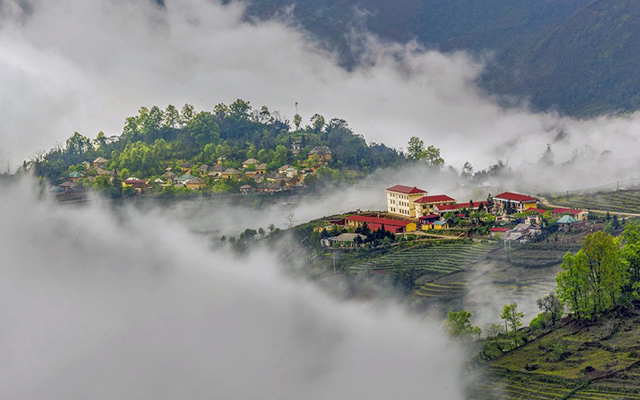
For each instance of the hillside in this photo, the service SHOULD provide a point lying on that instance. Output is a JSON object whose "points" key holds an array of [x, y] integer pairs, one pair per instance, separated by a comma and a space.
{"points": [[589, 360], [578, 56]]}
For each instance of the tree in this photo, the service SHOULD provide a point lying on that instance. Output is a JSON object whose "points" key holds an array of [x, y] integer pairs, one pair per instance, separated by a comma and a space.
{"points": [[415, 149], [318, 122], [433, 158], [459, 325], [551, 305], [591, 281], [297, 120], [513, 318], [547, 158]]}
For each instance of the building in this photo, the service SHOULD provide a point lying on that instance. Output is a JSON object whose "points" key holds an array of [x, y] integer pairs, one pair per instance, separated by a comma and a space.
{"points": [[401, 200], [251, 161], [388, 224], [343, 240], [195, 183], [493, 232], [579, 215], [261, 169], [516, 201], [100, 162], [567, 222], [426, 204], [322, 152]]}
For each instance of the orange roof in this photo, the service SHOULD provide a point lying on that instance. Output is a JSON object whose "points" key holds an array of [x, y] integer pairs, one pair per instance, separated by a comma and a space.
{"points": [[406, 189]]}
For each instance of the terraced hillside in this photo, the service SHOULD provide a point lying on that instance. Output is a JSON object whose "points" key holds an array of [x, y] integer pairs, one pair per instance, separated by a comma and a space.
{"points": [[587, 360], [614, 201], [434, 259]]}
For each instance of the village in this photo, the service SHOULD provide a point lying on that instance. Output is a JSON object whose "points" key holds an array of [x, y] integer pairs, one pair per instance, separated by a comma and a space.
{"points": [[509, 216], [251, 177]]}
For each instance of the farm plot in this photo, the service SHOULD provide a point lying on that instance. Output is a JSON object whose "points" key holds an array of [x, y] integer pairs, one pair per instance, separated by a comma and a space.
{"points": [[514, 385], [619, 201], [436, 259], [433, 290]]}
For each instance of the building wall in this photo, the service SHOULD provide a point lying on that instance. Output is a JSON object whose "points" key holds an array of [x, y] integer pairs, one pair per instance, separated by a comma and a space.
{"points": [[403, 204]]}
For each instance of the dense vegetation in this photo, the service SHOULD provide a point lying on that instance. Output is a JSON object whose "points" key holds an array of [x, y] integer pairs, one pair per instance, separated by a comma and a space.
{"points": [[576, 55], [229, 134]]}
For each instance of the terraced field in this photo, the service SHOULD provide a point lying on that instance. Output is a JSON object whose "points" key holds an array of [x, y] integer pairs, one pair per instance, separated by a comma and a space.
{"points": [[511, 386], [435, 259], [613, 201], [433, 290]]}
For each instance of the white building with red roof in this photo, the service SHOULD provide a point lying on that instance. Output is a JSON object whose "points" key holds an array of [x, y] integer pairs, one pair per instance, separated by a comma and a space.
{"points": [[517, 201], [401, 200]]}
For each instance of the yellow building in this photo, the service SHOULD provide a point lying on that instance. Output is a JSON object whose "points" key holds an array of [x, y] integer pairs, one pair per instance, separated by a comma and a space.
{"points": [[425, 205], [401, 200], [519, 202], [195, 183]]}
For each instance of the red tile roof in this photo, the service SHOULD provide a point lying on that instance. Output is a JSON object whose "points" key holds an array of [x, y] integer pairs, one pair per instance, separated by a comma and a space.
{"points": [[447, 207], [381, 221], [538, 210], [439, 198], [392, 229], [430, 216], [406, 189], [499, 229], [476, 204], [515, 197]]}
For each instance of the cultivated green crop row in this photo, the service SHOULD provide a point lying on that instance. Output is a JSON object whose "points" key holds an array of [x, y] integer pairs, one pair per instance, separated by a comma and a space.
{"points": [[624, 201], [437, 259]]}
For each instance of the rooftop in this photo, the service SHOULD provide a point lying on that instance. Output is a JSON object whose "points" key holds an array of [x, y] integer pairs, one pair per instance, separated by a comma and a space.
{"points": [[515, 197], [406, 189], [438, 198]]}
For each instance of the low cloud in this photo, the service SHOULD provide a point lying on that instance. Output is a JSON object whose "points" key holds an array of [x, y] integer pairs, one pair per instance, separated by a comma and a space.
{"points": [[100, 307]]}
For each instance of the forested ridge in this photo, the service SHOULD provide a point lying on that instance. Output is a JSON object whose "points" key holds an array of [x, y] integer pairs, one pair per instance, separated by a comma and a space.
{"points": [[158, 140], [576, 56]]}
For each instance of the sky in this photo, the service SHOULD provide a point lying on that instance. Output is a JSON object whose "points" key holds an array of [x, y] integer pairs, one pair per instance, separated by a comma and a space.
{"points": [[73, 65], [138, 307]]}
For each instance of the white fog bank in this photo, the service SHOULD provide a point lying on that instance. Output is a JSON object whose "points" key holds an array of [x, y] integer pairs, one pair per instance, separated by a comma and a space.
{"points": [[142, 309], [73, 65]]}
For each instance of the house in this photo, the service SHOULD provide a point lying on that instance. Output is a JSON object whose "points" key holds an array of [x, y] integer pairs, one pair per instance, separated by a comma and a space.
{"points": [[216, 171], [516, 201], [137, 184], [275, 177], [429, 218], [169, 175], [249, 162], [493, 232], [100, 162], [186, 167], [388, 224], [424, 205], [343, 240], [246, 189], [251, 174], [444, 208], [261, 169], [443, 224], [296, 146], [203, 169], [401, 200], [67, 185], [182, 179], [522, 233], [579, 215], [566, 222], [283, 169], [270, 187], [75, 176], [195, 183], [230, 173], [322, 152]]}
